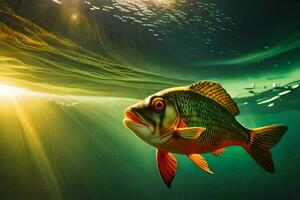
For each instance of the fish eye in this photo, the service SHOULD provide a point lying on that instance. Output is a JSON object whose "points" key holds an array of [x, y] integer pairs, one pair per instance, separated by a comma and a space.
{"points": [[158, 104]]}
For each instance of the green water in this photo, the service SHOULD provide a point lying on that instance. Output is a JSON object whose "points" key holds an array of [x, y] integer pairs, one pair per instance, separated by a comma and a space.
{"points": [[79, 64]]}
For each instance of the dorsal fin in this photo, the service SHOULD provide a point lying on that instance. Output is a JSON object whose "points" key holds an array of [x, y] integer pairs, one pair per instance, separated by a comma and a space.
{"points": [[217, 93]]}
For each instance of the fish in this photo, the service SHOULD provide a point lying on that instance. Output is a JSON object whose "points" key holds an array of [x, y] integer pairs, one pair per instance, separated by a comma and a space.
{"points": [[194, 120]]}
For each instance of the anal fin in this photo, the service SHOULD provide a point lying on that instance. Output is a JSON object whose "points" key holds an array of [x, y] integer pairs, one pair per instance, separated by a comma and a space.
{"points": [[200, 162], [167, 165], [218, 152]]}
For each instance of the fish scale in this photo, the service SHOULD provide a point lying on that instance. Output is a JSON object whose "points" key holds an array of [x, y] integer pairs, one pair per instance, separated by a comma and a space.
{"points": [[199, 111]]}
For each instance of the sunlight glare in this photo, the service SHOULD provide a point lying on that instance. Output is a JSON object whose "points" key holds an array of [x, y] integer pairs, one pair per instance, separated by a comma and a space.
{"points": [[6, 90]]}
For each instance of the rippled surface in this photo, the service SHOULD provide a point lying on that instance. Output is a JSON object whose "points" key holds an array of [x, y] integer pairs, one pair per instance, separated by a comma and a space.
{"points": [[68, 69], [199, 21], [45, 62]]}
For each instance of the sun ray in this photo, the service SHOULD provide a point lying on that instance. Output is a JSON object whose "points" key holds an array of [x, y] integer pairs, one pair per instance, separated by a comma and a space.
{"points": [[36, 149], [7, 90]]}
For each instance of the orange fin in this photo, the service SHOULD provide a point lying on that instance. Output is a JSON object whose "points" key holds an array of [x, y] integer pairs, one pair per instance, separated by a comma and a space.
{"points": [[260, 143], [167, 165], [190, 132], [218, 152], [200, 162]]}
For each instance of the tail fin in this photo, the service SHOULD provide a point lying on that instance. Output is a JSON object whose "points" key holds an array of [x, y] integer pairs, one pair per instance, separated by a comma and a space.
{"points": [[261, 141]]}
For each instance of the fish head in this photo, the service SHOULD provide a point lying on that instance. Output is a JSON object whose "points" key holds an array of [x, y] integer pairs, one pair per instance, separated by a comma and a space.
{"points": [[154, 119]]}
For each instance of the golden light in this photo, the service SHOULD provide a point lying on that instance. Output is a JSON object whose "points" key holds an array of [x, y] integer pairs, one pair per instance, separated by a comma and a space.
{"points": [[159, 1], [6, 90], [163, 2], [18, 109], [74, 17]]}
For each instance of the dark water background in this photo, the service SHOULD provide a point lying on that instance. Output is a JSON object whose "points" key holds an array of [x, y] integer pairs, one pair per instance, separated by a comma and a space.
{"points": [[83, 62]]}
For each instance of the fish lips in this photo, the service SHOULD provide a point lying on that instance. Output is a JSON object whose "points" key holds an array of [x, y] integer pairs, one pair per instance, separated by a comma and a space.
{"points": [[132, 117]]}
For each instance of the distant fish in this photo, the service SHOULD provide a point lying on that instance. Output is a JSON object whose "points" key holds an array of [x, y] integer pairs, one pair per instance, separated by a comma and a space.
{"points": [[197, 119]]}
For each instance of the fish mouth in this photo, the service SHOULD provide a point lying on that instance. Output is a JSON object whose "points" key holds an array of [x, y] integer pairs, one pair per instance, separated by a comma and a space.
{"points": [[132, 116]]}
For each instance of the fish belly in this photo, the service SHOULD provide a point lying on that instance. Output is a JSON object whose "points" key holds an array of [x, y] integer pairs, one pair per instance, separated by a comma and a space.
{"points": [[181, 145]]}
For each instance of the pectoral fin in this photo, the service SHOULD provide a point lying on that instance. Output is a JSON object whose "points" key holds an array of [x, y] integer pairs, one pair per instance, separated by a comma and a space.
{"points": [[200, 162], [167, 165], [218, 152], [190, 132]]}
